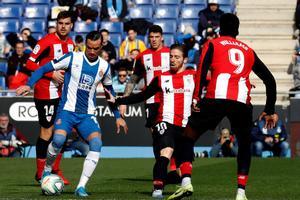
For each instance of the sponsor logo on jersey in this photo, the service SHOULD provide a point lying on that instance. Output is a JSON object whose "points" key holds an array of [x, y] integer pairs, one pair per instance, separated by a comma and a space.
{"points": [[36, 49], [86, 82], [178, 90]]}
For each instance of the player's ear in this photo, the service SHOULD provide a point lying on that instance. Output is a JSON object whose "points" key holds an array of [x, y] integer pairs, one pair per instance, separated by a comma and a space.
{"points": [[185, 60], [72, 25]]}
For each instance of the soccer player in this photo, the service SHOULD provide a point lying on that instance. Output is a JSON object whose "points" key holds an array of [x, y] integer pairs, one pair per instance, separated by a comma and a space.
{"points": [[47, 91], [175, 89], [228, 94], [83, 72]]}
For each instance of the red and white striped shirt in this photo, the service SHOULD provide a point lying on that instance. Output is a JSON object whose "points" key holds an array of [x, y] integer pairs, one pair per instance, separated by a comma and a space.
{"points": [[47, 49], [154, 62]]}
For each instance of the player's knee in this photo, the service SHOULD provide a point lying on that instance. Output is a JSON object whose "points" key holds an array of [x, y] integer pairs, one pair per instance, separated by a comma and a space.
{"points": [[167, 152], [95, 144], [46, 133], [58, 141]]}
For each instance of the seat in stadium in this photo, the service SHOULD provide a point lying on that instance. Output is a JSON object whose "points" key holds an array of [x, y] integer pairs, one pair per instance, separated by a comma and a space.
{"points": [[227, 8], [142, 11], [195, 2], [3, 67], [36, 11], [191, 11], [167, 25], [112, 27], [116, 39], [166, 12], [168, 39], [82, 27], [226, 2], [182, 23], [9, 25], [13, 1], [2, 83], [46, 2], [174, 2], [10, 11], [36, 26], [144, 2]]}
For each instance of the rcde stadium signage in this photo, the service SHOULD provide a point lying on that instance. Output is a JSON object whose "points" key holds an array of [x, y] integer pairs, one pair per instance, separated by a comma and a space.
{"points": [[23, 111]]}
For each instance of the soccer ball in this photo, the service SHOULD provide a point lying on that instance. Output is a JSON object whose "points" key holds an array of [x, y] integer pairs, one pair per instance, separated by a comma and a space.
{"points": [[52, 185]]}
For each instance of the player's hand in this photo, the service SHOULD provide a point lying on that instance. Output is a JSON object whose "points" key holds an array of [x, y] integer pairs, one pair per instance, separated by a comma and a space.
{"points": [[58, 76], [121, 122], [16, 143], [122, 110], [270, 120], [195, 107], [109, 97], [22, 90]]}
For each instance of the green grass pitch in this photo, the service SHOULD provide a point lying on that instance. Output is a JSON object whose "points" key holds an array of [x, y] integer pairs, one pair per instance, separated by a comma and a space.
{"points": [[213, 179]]}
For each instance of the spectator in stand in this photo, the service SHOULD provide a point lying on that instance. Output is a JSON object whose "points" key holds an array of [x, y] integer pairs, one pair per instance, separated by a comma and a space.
{"points": [[108, 46], [130, 43], [209, 16], [128, 63], [4, 45], [113, 10], [79, 44], [17, 73], [28, 39], [85, 13], [225, 146], [294, 68], [269, 139], [51, 29], [10, 139], [119, 81], [104, 55]]}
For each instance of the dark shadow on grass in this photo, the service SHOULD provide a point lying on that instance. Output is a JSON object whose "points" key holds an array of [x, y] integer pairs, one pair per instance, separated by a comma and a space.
{"points": [[138, 179], [26, 185]]}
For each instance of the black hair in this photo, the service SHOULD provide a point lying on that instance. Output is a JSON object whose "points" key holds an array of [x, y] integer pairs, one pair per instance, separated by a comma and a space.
{"points": [[181, 48], [93, 35], [19, 42], [229, 25], [104, 31], [25, 29], [131, 28], [78, 39], [155, 29], [65, 14]]}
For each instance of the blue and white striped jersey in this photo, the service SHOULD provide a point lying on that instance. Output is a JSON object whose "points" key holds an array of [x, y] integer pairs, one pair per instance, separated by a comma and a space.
{"points": [[81, 80]]}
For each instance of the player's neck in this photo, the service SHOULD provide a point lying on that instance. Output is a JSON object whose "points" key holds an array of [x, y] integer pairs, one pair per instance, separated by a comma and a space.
{"points": [[63, 38]]}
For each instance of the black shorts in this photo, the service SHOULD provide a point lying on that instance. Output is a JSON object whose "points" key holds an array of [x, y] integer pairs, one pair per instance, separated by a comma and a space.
{"points": [[151, 114], [166, 135], [46, 111], [212, 111]]}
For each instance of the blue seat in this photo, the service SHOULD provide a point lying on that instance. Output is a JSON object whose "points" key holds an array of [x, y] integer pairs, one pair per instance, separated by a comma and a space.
{"points": [[11, 11], [36, 11], [112, 27], [174, 2], [167, 25], [13, 1], [143, 11], [37, 36], [195, 2], [3, 67], [187, 22], [116, 39], [166, 12], [9, 25], [39, 2], [36, 26], [227, 8], [2, 83], [227, 2], [82, 27], [144, 2], [191, 11], [168, 39]]}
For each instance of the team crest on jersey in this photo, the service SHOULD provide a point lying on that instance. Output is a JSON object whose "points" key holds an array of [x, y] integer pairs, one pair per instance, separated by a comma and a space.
{"points": [[36, 49], [49, 118]]}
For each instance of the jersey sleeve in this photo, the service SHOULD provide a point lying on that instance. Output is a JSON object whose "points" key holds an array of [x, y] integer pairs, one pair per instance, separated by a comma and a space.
{"points": [[64, 62], [107, 79], [139, 68]]}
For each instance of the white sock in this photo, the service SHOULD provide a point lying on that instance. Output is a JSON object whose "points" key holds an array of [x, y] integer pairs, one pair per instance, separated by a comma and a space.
{"points": [[241, 191], [51, 156], [89, 166], [185, 181]]}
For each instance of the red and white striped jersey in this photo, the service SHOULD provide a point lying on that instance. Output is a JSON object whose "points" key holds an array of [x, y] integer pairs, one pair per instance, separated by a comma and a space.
{"points": [[154, 62], [231, 64], [47, 49], [176, 97]]}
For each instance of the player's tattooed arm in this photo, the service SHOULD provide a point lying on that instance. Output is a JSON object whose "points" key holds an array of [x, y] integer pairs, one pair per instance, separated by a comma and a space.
{"points": [[131, 84]]}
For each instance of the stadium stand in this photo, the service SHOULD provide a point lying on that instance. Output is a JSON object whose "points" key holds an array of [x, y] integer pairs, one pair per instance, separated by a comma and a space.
{"points": [[112, 27], [10, 12], [166, 12], [82, 27], [169, 39], [168, 25], [144, 2], [191, 11], [36, 11], [36, 26], [141, 11], [174, 2], [116, 39], [3, 67], [13, 1], [9, 25], [195, 2], [2, 83], [46, 2]]}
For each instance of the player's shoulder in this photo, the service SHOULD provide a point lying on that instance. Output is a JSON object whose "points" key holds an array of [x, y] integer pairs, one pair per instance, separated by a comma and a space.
{"points": [[103, 63], [165, 49], [225, 40]]}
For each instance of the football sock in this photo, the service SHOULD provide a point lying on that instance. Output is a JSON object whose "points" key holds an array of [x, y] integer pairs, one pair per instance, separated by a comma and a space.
{"points": [[172, 166], [186, 169], [51, 156], [41, 148], [89, 166], [57, 162], [242, 181], [241, 191], [160, 171], [40, 165], [185, 181]]}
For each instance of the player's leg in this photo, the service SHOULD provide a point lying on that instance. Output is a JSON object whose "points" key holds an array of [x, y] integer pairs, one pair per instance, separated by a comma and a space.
{"points": [[46, 112], [89, 129], [241, 123], [163, 134]]}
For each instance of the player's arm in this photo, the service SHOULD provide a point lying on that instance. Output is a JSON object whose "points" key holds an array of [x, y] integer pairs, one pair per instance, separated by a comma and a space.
{"points": [[204, 64], [138, 72], [150, 90]]}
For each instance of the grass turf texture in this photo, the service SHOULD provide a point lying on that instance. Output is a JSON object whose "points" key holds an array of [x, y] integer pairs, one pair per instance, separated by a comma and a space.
{"points": [[213, 179]]}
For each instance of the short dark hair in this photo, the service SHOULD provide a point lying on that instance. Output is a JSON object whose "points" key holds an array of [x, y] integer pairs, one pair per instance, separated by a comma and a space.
{"points": [[131, 28], [65, 14], [229, 25], [78, 39], [25, 29], [181, 48], [19, 42], [155, 29], [104, 31], [93, 35]]}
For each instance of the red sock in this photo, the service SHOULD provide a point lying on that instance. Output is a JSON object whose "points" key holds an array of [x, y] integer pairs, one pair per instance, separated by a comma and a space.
{"points": [[242, 180], [158, 184], [186, 169], [56, 163], [40, 165], [172, 166]]}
